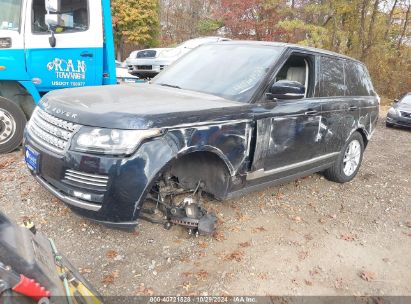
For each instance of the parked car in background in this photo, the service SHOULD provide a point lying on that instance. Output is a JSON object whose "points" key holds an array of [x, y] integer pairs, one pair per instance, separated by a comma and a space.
{"points": [[148, 63], [122, 73], [400, 113], [226, 119]]}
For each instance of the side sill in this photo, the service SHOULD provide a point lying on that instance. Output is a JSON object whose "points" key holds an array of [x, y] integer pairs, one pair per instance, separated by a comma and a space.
{"points": [[275, 182]]}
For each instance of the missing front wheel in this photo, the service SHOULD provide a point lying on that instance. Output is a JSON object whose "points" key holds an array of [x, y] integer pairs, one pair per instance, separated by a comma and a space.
{"points": [[170, 204]]}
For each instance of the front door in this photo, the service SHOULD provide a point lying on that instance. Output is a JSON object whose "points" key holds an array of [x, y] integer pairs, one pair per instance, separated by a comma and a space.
{"points": [[291, 139], [76, 60]]}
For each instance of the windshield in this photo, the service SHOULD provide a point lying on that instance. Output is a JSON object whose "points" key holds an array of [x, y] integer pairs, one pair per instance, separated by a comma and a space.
{"points": [[406, 100], [10, 13], [230, 71]]}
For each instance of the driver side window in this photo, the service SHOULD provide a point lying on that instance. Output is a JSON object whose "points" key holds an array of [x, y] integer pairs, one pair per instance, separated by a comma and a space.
{"points": [[296, 68], [74, 17], [295, 80]]}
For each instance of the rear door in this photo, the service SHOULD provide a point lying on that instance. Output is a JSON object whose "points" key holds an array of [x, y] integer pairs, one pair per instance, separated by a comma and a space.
{"points": [[340, 112], [76, 60], [361, 91]]}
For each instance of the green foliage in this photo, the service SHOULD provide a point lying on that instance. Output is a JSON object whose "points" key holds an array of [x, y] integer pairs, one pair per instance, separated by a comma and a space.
{"points": [[209, 26]]}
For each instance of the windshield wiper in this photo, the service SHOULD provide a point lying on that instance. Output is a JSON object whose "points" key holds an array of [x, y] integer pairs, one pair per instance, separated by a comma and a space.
{"points": [[169, 85]]}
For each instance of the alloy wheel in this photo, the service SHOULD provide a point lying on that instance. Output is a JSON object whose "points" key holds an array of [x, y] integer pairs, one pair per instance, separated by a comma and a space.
{"points": [[352, 157], [7, 126]]}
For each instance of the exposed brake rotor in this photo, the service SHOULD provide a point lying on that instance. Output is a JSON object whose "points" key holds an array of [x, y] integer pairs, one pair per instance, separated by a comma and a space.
{"points": [[171, 210]]}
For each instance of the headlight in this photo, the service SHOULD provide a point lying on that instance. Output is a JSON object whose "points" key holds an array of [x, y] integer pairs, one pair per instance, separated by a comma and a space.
{"points": [[109, 141], [393, 112]]}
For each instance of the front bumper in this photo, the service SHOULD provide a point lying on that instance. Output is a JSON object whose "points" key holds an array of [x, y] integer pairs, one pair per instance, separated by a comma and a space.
{"points": [[398, 121], [149, 66], [115, 203]]}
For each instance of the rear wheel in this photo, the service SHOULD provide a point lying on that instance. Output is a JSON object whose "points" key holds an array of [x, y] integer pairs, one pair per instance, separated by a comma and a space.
{"points": [[348, 162], [12, 123]]}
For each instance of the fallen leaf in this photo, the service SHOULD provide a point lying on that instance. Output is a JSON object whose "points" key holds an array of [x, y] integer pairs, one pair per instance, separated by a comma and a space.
{"points": [[143, 291], [187, 274], [235, 256], [279, 195], [368, 276], [245, 244], [6, 162], [263, 276], [202, 254], [242, 217], [309, 283], [338, 283], [408, 224], [184, 259], [187, 286], [297, 219], [315, 271], [84, 270], [109, 278], [235, 229], [258, 229], [202, 275], [308, 237], [203, 245], [302, 255], [111, 254], [348, 237], [219, 236]]}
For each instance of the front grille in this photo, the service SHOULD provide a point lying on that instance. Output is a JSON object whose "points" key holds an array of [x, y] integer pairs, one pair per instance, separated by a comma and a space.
{"points": [[52, 132], [406, 114], [145, 67], [86, 179], [146, 54]]}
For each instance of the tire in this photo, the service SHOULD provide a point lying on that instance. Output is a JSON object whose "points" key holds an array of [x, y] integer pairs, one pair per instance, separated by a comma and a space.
{"points": [[12, 124], [341, 171], [388, 125]]}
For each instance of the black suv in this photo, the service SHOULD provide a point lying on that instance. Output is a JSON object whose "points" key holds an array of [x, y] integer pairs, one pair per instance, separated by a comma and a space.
{"points": [[226, 119]]}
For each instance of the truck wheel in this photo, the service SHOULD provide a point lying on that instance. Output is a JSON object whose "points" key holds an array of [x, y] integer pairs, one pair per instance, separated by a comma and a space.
{"points": [[348, 162], [12, 123]]}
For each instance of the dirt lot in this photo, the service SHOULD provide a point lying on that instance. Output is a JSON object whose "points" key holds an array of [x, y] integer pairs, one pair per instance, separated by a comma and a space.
{"points": [[309, 237]]}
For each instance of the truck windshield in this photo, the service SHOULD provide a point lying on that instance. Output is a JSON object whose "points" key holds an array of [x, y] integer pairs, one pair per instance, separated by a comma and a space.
{"points": [[10, 14], [231, 71]]}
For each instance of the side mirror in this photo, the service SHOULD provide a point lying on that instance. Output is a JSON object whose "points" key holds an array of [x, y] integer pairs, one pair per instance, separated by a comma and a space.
{"points": [[396, 101], [286, 89], [52, 6], [52, 20]]}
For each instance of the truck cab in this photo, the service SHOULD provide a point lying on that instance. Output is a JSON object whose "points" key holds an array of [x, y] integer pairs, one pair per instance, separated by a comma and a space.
{"points": [[47, 45]]}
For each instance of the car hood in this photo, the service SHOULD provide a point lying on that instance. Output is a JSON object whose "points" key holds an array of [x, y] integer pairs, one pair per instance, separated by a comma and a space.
{"points": [[404, 107], [140, 106]]}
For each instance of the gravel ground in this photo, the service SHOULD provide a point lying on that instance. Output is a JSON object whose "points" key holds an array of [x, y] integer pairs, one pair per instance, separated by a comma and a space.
{"points": [[309, 237]]}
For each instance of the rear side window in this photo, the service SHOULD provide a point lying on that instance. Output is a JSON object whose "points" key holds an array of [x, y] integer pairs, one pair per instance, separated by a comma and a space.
{"points": [[358, 80], [332, 81]]}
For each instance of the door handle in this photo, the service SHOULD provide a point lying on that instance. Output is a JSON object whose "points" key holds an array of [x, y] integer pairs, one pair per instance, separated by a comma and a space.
{"points": [[353, 108], [86, 54], [312, 112]]}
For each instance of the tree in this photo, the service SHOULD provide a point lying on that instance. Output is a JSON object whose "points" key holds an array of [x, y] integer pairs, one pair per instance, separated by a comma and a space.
{"points": [[135, 21]]}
